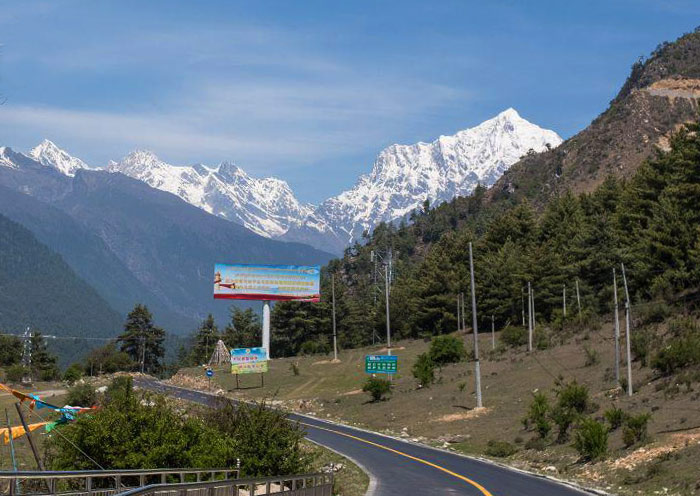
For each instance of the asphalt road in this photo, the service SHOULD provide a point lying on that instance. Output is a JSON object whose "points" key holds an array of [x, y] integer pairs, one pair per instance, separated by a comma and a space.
{"points": [[399, 468]]}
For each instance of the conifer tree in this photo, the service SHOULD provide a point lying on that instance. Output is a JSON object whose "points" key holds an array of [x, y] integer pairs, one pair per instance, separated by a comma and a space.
{"points": [[142, 340]]}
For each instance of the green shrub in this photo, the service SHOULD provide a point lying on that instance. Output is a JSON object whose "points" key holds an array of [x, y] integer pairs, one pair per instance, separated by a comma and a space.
{"points": [[635, 429], [81, 395], [377, 388], [313, 348], [592, 356], [542, 339], [653, 312], [500, 449], [263, 438], [15, 373], [680, 353], [294, 367], [615, 417], [514, 336], [73, 373], [537, 415], [424, 369], [591, 440], [536, 443], [447, 349], [573, 396], [641, 345]]}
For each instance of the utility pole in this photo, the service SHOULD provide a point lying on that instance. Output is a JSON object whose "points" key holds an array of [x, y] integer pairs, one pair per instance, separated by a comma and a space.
{"points": [[522, 302], [459, 304], [563, 299], [143, 351], [464, 313], [578, 299], [627, 333], [529, 317], [27, 356], [534, 314], [388, 320], [617, 330], [493, 334], [477, 367], [335, 334]]}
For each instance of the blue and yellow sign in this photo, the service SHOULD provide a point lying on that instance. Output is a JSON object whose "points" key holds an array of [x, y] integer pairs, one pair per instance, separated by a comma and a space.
{"points": [[248, 360]]}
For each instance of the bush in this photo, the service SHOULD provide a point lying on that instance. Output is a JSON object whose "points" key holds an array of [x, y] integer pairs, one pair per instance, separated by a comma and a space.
{"points": [[653, 312], [635, 429], [73, 373], [679, 354], [136, 431], [377, 388], [264, 439], [81, 395], [592, 356], [641, 345], [573, 396], [591, 439], [446, 349], [500, 449], [313, 348], [514, 336], [572, 401], [15, 373], [536, 443], [424, 369], [294, 367], [537, 415], [615, 417]]}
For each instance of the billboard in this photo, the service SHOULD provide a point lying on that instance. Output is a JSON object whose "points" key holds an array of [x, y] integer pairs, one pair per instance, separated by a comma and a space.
{"points": [[248, 360], [267, 282]]}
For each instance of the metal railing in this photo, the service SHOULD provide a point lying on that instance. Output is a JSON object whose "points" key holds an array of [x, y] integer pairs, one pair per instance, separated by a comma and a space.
{"points": [[103, 482], [320, 484]]}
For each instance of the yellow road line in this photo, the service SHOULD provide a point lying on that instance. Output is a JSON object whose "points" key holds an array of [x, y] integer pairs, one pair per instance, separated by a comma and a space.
{"points": [[481, 488]]}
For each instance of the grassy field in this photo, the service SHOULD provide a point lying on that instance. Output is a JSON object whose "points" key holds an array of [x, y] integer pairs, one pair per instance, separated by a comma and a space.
{"points": [[444, 413]]}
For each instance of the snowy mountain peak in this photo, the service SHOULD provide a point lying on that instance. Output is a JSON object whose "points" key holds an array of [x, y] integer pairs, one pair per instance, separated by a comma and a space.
{"points": [[404, 176], [50, 155], [266, 206]]}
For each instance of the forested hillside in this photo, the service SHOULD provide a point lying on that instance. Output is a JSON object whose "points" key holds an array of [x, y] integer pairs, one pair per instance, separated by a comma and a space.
{"points": [[624, 190], [38, 289], [651, 223]]}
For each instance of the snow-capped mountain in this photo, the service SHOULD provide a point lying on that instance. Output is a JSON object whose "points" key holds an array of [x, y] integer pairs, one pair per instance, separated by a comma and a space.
{"points": [[48, 154], [404, 176], [266, 206]]}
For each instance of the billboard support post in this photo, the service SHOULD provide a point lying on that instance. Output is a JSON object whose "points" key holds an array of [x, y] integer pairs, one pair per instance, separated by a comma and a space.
{"points": [[266, 328]]}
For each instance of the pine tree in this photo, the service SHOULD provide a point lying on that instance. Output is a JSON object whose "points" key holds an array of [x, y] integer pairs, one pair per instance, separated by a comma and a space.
{"points": [[44, 363], [142, 340], [205, 340], [244, 330]]}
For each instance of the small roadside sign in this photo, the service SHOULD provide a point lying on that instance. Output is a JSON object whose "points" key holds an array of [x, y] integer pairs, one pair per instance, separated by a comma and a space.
{"points": [[381, 364], [210, 373]]}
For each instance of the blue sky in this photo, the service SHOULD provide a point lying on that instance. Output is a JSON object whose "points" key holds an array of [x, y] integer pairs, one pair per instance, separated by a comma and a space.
{"points": [[309, 91]]}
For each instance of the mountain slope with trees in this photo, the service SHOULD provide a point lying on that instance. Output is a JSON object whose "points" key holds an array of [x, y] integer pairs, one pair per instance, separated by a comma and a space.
{"points": [[38, 289]]}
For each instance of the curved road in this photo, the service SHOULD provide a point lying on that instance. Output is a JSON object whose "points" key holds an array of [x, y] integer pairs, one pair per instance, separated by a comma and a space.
{"points": [[402, 468]]}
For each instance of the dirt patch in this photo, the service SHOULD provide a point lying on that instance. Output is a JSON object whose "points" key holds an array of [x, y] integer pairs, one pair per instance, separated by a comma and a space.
{"points": [[454, 417], [675, 88], [352, 393], [323, 362], [645, 454]]}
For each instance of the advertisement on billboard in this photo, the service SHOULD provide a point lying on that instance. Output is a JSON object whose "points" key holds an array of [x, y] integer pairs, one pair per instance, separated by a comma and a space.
{"points": [[248, 360], [267, 282]]}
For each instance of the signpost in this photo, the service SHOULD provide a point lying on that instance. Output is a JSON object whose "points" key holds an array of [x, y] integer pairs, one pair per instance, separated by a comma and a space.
{"points": [[381, 364], [210, 374], [249, 361], [267, 283]]}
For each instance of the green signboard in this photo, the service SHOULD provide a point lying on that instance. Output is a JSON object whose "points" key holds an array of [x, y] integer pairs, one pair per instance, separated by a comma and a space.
{"points": [[381, 364]]}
